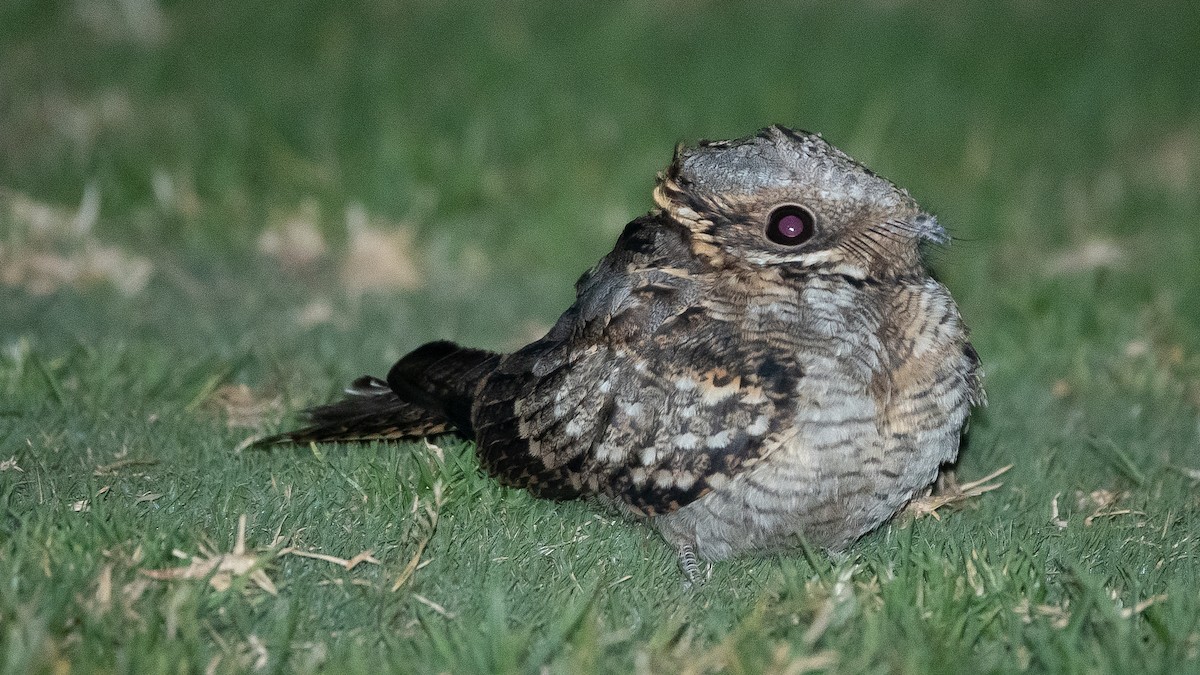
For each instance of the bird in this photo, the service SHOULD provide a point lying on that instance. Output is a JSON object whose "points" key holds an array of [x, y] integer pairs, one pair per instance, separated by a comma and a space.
{"points": [[762, 363]]}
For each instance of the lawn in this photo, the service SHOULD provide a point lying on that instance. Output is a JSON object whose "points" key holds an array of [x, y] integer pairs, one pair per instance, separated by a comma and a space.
{"points": [[213, 214]]}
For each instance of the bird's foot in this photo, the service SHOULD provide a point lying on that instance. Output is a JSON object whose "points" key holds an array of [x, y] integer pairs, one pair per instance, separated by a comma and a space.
{"points": [[690, 565]]}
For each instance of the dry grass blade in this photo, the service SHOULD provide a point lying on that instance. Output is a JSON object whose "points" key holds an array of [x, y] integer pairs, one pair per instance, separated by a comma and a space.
{"points": [[1129, 612], [433, 605], [241, 407], [349, 564], [220, 569], [110, 469], [430, 526]]}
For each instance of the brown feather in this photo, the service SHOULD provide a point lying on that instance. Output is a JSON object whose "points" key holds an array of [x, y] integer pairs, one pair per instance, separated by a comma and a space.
{"points": [[743, 388]]}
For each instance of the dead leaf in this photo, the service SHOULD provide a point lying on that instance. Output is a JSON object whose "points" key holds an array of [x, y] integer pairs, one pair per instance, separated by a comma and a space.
{"points": [[42, 272], [1059, 615], [1102, 501], [1137, 348], [1086, 257], [220, 569], [130, 593], [1099, 498], [40, 219], [241, 407], [378, 258], [102, 600], [315, 313], [294, 239], [1173, 162], [143, 25], [54, 247], [10, 464]]}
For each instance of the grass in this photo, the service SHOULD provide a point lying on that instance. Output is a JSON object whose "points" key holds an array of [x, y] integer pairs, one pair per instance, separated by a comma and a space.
{"points": [[176, 180]]}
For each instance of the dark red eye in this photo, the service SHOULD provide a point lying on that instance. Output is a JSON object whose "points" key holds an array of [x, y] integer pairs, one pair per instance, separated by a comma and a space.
{"points": [[790, 225]]}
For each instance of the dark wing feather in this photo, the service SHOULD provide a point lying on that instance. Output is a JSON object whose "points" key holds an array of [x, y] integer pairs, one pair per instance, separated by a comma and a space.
{"points": [[709, 408], [442, 377], [610, 402]]}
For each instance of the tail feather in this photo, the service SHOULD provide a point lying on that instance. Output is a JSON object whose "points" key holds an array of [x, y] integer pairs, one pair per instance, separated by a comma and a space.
{"points": [[360, 418], [442, 377], [428, 392]]}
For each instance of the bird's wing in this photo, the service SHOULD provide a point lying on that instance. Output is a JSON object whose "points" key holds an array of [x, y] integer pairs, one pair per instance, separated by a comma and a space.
{"points": [[706, 403], [638, 392]]}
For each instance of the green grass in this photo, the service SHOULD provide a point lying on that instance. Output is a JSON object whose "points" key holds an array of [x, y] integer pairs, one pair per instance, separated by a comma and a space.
{"points": [[512, 144]]}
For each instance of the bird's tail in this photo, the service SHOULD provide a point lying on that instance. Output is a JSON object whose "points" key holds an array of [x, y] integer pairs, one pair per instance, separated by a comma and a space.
{"points": [[370, 411], [428, 392]]}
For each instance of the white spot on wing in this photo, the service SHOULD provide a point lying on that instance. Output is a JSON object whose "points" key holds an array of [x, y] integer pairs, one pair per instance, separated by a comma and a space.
{"points": [[607, 452], [574, 428], [719, 439], [760, 426], [687, 441]]}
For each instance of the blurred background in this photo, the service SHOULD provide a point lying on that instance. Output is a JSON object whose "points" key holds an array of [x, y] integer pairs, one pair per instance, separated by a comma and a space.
{"points": [[349, 179], [216, 212]]}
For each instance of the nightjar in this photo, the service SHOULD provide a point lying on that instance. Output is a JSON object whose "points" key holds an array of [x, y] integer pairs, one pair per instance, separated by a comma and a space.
{"points": [[763, 359]]}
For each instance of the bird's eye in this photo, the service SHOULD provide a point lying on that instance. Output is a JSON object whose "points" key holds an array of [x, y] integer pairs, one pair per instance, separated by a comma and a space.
{"points": [[790, 225]]}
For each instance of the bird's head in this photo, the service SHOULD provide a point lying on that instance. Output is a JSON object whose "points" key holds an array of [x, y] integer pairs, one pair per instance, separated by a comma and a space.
{"points": [[784, 197]]}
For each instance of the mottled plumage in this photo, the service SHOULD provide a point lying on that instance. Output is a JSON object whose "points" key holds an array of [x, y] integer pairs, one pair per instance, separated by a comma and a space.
{"points": [[760, 359]]}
